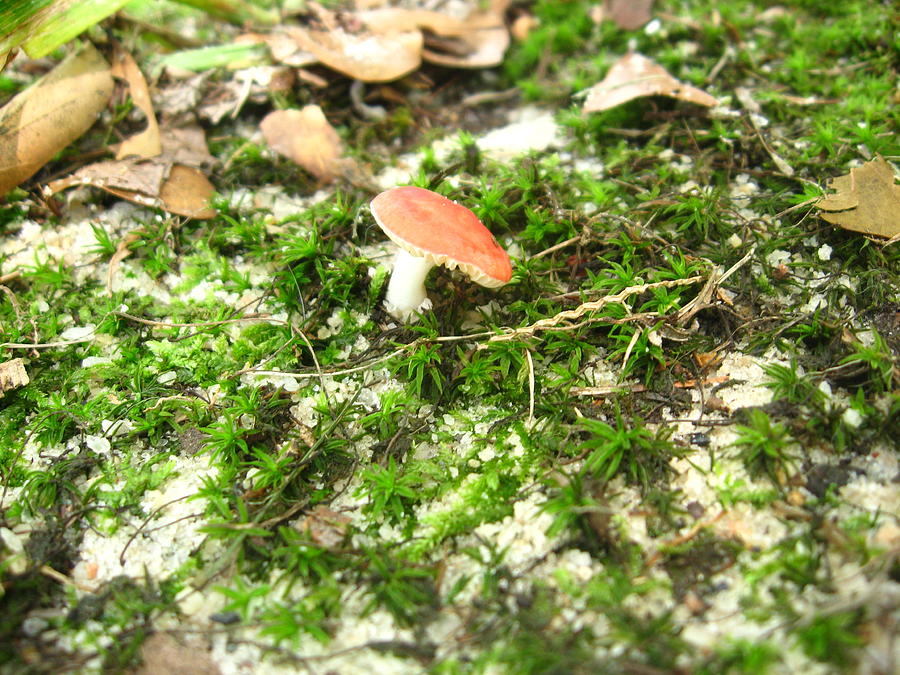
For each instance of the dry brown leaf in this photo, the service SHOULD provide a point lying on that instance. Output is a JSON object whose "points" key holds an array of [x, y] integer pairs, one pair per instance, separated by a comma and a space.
{"points": [[479, 48], [866, 200], [387, 20], [186, 192], [628, 14], [362, 55], [12, 375], [50, 114], [7, 58], [482, 45], [147, 143], [186, 145], [170, 181], [306, 137], [522, 26], [325, 527], [282, 47], [634, 76]]}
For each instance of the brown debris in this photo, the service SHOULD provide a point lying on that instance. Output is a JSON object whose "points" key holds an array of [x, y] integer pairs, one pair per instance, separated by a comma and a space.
{"points": [[866, 200], [634, 76], [53, 112], [325, 527], [12, 375], [362, 55], [172, 181], [147, 143], [306, 137]]}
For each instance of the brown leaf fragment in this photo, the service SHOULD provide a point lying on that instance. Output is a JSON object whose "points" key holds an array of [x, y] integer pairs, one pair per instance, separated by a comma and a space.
{"points": [[50, 114], [171, 181], [186, 145], [186, 192], [129, 175], [522, 26], [482, 45], [283, 48], [628, 14], [634, 76], [480, 48], [387, 20], [162, 653], [325, 527], [145, 144], [12, 375], [178, 189], [6, 59], [306, 137], [866, 200], [362, 55]]}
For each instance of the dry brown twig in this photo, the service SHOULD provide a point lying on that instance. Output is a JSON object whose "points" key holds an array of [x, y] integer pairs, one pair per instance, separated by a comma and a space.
{"points": [[562, 320], [704, 297]]}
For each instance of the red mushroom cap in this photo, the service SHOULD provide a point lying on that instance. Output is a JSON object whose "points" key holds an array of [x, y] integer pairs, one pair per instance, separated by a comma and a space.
{"points": [[429, 225]]}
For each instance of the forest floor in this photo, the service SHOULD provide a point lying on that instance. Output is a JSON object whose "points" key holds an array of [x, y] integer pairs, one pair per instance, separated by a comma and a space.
{"points": [[669, 444]]}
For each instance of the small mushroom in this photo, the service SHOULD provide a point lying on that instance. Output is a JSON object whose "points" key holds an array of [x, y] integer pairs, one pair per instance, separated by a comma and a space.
{"points": [[430, 230]]}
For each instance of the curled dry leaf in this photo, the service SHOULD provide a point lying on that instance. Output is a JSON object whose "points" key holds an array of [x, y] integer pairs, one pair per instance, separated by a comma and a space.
{"points": [[482, 45], [147, 143], [388, 20], [634, 76], [170, 181], [522, 26], [50, 114], [866, 200], [306, 137], [325, 527], [480, 48], [362, 55]]}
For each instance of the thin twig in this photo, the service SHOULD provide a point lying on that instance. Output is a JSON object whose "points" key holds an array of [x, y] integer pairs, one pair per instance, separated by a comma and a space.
{"points": [[530, 385], [556, 322]]}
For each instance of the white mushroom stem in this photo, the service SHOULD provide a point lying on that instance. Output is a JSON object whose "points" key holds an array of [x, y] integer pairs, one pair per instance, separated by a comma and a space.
{"points": [[406, 290]]}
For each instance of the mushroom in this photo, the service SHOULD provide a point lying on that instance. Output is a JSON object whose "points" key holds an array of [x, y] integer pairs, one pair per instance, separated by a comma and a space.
{"points": [[430, 230]]}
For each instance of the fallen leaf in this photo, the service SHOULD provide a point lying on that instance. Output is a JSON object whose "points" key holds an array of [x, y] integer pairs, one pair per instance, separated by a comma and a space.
{"points": [[147, 143], [479, 48], [628, 14], [634, 76], [522, 26], [325, 527], [6, 59], [306, 137], [362, 55], [866, 200], [282, 47], [186, 192], [12, 375], [186, 145], [482, 45], [171, 181], [387, 20], [53, 112]]}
